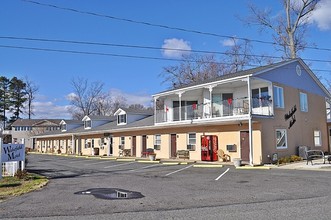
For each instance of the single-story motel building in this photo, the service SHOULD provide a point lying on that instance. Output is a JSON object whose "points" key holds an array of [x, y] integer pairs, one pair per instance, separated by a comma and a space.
{"points": [[253, 115]]}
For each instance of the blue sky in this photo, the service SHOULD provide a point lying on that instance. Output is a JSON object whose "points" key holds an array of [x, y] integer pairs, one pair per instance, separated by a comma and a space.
{"points": [[134, 78]]}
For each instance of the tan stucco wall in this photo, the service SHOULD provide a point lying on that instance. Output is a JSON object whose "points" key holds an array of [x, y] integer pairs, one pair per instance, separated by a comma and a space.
{"points": [[301, 133]]}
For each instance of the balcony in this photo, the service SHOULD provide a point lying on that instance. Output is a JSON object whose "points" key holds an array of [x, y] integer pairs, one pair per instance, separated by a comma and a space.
{"points": [[217, 110]]}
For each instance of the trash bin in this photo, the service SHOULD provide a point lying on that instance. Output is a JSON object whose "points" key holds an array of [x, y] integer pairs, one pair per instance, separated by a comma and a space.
{"points": [[237, 162], [96, 151]]}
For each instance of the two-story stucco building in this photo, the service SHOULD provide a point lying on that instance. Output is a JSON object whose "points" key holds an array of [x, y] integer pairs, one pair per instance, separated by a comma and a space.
{"points": [[252, 115]]}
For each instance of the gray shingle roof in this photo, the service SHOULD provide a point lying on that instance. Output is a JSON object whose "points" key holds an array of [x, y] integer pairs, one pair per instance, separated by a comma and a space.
{"points": [[32, 122], [232, 75]]}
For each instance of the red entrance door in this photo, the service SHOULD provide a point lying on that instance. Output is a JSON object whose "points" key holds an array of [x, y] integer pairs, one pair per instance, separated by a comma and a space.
{"points": [[173, 144], [244, 145]]}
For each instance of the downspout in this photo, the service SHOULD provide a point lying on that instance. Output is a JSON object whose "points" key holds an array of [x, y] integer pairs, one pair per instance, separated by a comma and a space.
{"points": [[250, 130]]}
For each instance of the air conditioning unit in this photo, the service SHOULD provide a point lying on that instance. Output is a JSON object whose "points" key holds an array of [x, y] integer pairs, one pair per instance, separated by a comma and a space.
{"points": [[190, 147], [231, 148]]}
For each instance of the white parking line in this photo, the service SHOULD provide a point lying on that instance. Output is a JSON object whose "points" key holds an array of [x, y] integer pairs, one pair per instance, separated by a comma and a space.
{"points": [[179, 170], [96, 162], [154, 165], [117, 165], [222, 174]]}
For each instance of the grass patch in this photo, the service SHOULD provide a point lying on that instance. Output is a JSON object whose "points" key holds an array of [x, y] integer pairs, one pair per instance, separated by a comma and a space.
{"points": [[14, 186]]}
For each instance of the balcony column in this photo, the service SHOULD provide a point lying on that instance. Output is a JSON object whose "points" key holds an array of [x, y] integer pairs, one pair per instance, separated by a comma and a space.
{"points": [[155, 118], [250, 122], [180, 106], [210, 103]]}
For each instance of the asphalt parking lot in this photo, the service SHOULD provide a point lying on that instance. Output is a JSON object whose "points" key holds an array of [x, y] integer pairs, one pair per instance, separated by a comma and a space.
{"points": [[169, 191]]}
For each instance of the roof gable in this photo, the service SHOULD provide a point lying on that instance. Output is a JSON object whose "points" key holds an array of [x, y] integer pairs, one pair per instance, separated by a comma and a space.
{"points": [[295, 74]]}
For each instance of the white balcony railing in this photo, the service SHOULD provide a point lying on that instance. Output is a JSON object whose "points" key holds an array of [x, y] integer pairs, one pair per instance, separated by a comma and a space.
{"points": [[224, 108]]}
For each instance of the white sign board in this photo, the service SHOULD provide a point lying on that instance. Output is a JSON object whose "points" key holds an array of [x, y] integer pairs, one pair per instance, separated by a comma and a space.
{"points": [[12, 152]]}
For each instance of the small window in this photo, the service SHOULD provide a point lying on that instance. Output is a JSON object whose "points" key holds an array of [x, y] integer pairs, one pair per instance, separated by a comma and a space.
{"points": [[191, 141], [88, 124], [281, 139], [157, 142], [63, 127], [122, 143], [121, 119], [303, 102], [317, 138], [278, 97]]}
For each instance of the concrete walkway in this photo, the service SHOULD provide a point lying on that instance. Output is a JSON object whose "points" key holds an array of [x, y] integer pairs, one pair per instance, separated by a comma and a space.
{"points": [[302, 165]]}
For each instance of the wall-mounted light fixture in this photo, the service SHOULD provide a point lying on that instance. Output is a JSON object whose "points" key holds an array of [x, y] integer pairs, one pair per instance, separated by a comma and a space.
{"points": [[240, 124]]}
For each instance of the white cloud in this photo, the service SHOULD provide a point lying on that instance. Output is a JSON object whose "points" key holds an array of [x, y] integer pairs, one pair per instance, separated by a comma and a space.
{"points": [[50, 110], [175, 48], [71, 96], [229, 42], [321, 15], [136, 98]]}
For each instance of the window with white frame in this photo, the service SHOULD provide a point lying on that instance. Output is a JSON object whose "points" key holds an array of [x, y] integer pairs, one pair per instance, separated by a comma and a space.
{"points": [[303, 102], [317, 138], [122, 143], [121, 119], [278, 97], [191, 141], [157, 142], [102, 143], [260, 97], [87, 144], [88, 124], [281, 139], [63, 127]]}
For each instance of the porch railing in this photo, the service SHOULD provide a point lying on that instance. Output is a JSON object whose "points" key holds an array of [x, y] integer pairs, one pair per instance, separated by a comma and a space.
{"points": [[223, 108]]}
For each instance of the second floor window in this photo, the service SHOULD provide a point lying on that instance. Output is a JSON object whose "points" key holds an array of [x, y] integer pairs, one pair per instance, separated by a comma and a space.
{"points": [[87, 124], [260, 97], [278, 97], [63, 127], [121, 119], [303, 102]]}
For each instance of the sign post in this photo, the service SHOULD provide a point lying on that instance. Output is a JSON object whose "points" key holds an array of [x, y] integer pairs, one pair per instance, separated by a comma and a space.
{"points": [[0, 158]]}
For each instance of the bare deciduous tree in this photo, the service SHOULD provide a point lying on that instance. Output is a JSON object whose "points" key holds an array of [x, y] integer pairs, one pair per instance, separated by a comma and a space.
{"points": [[31, 89], [84, 97], [193, 68], [289, 27], [107, 104]]}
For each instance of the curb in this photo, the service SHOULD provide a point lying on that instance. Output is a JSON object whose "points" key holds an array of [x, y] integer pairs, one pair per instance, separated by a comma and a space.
{"points": [[125, 160], [148, 161], [108, 158], [171, 163], [253, 168], [208, 165]]}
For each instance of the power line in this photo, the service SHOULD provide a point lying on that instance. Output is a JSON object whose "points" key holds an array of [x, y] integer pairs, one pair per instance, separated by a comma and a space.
{"points": [[122, 55], [163, 26], [149, 47]]}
